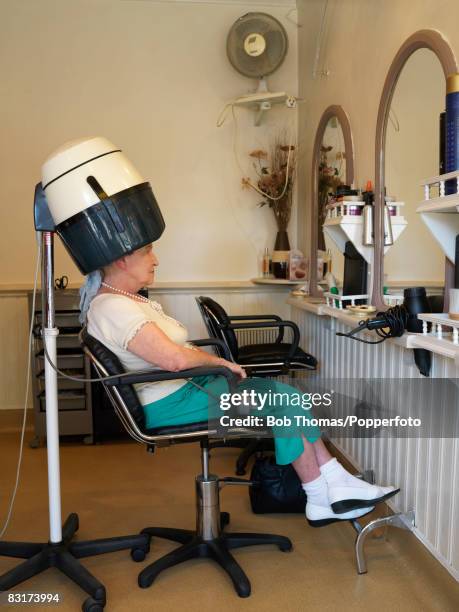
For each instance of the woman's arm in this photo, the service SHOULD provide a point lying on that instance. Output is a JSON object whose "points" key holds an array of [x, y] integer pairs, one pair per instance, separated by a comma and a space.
{"points": [[153, 345]]}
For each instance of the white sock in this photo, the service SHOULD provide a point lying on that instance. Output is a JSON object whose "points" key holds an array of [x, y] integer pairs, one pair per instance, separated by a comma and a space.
{"points": [[317, 491], [336, 475]]}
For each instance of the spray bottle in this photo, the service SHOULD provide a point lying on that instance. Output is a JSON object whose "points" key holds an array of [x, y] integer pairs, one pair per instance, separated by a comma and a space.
{"points": [[368, 198]]}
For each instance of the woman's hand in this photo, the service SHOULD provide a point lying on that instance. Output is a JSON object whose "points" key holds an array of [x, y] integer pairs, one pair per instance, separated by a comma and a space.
{"points": [[234, 367]]}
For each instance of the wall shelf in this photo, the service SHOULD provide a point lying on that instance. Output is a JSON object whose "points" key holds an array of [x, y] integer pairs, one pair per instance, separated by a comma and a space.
{"points": [[444, 204], [440, 212], [261, 102], [438, 321], [337, 301], [253, 100], [341, 225], [270, 280]]}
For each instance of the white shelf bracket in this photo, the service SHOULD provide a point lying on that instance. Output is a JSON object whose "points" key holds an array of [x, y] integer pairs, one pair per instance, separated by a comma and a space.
{"points": [[263, 107]]}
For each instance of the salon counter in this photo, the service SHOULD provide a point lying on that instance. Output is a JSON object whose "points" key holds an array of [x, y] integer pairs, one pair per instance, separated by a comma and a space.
{"points": [[439, 346]]}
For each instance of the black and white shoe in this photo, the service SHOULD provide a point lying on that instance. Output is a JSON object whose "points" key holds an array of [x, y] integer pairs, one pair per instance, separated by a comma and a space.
{"points": [[320, 516], [344, 499]]}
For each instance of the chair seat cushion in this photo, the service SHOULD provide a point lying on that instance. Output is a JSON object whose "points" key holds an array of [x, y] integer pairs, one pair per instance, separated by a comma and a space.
{"points": [[254, 354], [178, 429]]}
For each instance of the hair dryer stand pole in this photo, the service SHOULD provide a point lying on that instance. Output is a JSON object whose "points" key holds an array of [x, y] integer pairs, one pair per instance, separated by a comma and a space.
{"points": [[60, 552]]}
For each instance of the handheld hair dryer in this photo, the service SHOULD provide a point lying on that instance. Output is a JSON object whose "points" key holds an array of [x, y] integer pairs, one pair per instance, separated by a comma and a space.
{"points": [[395, 321]]}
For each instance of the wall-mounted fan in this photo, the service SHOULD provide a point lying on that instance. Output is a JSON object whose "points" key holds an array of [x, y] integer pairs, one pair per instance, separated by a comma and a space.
{"points": [[256, 46]]}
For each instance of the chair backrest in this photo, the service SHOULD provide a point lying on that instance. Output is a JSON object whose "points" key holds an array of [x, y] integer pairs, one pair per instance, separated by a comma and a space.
{"points": [[216, 321], [98, 352], [127, 405]]}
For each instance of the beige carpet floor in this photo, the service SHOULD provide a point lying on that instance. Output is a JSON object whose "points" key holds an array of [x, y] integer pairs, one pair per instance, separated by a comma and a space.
{"points": [[117, 489]]}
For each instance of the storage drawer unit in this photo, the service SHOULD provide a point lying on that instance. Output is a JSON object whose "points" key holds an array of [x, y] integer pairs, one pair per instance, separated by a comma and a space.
{"points": [[74, 397]]}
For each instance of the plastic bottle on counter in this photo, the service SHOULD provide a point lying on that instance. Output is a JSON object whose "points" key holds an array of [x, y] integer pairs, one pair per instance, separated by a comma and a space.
{"points": [[266, 263], [368, 231], [332, 288]]}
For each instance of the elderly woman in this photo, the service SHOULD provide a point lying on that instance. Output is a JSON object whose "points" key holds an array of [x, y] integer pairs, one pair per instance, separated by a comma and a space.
{"points": [[142, 335]]}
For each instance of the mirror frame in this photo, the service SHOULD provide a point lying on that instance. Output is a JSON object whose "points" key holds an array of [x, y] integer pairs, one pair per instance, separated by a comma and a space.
{"points": [[422, 39], [338, 112]]}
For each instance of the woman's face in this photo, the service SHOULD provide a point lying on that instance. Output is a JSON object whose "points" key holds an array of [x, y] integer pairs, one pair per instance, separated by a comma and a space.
{"points": [[141, 265]]}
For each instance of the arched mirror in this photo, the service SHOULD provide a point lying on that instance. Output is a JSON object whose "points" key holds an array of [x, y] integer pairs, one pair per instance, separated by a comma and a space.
{"points": [[332, 172], [412, 153], [408, 151]]}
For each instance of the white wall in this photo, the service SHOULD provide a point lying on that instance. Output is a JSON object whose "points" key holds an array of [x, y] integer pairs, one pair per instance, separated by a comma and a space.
{"points": [[152, 76]]}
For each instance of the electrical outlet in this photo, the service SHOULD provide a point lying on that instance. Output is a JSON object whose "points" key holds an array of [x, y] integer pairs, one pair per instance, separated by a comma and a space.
{"points": [[290, 102]]}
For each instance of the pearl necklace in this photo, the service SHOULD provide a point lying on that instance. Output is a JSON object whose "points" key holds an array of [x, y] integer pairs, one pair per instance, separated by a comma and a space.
{"points": [[134, 296], [154, 305]]}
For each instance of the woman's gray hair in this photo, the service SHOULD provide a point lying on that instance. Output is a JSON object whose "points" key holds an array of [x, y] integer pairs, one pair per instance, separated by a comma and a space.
{"points": [[89, 291]]}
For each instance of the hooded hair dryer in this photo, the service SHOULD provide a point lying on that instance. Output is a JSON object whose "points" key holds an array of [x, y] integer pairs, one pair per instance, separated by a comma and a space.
{"points": [[101, 206]]}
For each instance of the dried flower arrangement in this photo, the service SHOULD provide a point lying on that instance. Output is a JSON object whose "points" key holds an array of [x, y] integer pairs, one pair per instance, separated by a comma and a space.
{"points": [[275, 178]]}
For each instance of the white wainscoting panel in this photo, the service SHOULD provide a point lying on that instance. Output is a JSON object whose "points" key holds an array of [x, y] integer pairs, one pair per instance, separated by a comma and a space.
{"points": [[426, 470], [181, 304]]}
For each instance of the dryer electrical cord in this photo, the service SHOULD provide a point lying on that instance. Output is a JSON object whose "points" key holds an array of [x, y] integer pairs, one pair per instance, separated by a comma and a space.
{"points": [[24, 418], [388, 324]]}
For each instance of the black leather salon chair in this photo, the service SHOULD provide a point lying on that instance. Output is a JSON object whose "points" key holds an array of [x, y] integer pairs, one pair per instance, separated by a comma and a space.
{"points": [[209, 539], [264, 359]]}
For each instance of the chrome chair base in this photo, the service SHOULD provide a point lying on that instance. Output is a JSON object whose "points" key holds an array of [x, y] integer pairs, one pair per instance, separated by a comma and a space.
{"points": [[209, 539]]}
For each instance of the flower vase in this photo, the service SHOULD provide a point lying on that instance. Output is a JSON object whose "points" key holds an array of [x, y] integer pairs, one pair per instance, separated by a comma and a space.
{"points": [[281, 255]]}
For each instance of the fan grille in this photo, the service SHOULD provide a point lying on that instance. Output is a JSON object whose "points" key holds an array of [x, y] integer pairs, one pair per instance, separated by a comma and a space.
{"points": [[276, 45]]}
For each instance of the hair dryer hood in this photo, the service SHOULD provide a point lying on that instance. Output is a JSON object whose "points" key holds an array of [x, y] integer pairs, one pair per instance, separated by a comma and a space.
{"points": [[101, 206]]}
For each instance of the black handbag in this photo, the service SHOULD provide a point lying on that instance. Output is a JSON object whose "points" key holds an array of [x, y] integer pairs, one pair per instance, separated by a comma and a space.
{"points": [[276, 488]]}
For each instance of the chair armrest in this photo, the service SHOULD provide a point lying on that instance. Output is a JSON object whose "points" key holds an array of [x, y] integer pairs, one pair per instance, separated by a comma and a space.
{"points": [[160, 375], [254, 318], [280, 324], [269, 317], [215, 342]]}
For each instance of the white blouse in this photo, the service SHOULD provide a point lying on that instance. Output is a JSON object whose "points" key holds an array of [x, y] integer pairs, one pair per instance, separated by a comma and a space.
{"points": [[114, 320]]}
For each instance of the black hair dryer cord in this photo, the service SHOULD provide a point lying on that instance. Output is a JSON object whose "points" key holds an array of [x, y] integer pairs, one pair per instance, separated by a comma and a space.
{"points": [[391, 324], [388, 324]]}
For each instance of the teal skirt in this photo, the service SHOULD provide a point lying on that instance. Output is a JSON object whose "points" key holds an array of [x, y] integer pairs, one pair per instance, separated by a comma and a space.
{"points": [[190, 404]]}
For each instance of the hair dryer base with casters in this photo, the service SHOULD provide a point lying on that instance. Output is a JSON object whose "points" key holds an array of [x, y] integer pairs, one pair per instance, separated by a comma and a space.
{"points": [[64, 556]]}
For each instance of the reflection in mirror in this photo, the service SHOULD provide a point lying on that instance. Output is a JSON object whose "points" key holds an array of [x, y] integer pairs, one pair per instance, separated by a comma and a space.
{"points": [[412, 154], [332, 174]]}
